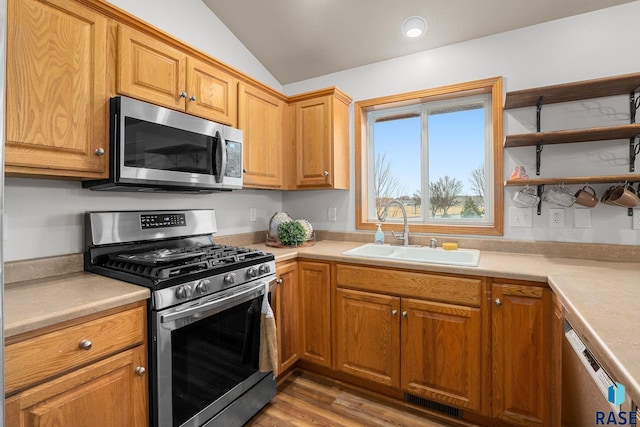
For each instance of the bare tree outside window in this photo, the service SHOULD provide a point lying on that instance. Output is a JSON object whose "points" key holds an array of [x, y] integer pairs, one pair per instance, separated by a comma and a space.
{"points": [[386, 185], [445, 193], [477, 181]]}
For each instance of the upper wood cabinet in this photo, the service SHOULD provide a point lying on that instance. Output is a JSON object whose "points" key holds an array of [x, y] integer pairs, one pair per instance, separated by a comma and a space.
{"points": [[521, 349], [154, 71], [321, 148], [260, 117], [56, 95]]}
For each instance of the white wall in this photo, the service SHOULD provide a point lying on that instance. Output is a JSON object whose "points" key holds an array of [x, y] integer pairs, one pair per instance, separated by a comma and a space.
{"points": [[593, 45], [44, 217]]}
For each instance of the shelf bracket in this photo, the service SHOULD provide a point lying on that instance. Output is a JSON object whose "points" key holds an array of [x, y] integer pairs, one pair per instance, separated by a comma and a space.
{"points": [[539, 147], [634, 150], [540, 191], [538, 111], [634, 104]]}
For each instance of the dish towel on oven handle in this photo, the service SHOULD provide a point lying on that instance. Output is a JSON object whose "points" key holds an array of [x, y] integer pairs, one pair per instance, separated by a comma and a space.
{"points": [[268, 339]]}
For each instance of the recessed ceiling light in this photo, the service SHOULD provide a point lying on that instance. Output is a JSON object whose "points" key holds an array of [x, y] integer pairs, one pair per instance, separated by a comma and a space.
{"points": [[414, 26]]}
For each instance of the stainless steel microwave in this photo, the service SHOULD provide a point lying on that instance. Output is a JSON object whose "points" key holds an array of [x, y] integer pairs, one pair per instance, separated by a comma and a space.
{"points": [[157, 149]]}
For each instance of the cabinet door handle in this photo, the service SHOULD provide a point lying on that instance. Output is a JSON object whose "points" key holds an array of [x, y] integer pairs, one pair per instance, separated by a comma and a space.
{"points": [[497, 301], [140, 371], [182, 94], [404, 314], [192, 98], [85, 345], [325, 173], [279, 281], [394, 312], [99, 151]]}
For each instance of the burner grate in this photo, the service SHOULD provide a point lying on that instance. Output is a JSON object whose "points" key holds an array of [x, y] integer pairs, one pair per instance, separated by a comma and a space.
{"points": [[169, 263]]}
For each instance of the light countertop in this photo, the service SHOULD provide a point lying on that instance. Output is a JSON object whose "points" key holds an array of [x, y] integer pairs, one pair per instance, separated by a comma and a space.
{"points": [[35, 304]]}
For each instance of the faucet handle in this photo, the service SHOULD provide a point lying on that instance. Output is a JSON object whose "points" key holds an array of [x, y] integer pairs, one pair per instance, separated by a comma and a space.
{"points": [[433, 243]]}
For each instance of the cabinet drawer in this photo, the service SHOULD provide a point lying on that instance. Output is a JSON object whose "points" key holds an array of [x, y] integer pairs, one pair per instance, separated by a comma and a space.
{"points": [[38, 358], [460, 290]]}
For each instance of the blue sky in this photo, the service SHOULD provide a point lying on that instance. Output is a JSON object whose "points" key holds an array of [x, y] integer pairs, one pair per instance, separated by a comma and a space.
{"points": [[456, 147]]}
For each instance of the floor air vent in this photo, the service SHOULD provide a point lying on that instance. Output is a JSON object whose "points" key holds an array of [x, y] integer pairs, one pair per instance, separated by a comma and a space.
{"points": [[434, 406]]}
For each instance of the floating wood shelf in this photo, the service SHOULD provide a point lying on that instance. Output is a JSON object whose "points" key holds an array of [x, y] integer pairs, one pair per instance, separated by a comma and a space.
{"points": [[596, 88], [602, 179], [571, 136]]}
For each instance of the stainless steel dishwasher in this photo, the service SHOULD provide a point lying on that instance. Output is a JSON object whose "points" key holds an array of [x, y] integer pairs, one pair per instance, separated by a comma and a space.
{"points": [[588, 389]]}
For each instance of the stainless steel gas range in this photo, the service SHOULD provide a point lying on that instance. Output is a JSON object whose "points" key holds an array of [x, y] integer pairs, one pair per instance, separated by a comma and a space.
{"points": [[204, 314]]}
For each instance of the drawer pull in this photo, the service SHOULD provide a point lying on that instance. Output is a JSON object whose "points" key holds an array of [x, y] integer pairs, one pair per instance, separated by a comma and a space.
{"points": [[85, 345], [140, 371]]}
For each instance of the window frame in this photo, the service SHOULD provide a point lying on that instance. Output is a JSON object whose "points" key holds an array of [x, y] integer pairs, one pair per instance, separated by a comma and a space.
{"points": [[492, 86]]}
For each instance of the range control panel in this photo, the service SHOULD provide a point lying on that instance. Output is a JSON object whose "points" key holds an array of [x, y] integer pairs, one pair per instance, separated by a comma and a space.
{"points": [[162, 220]]}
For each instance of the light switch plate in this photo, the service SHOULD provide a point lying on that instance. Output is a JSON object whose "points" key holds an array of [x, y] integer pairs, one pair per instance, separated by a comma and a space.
{"points": [[331, 214], [582, 218], [520, 217], [636, 219]]}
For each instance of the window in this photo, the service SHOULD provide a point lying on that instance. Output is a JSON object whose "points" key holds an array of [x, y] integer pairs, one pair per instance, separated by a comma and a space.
{"points": [[439, 152]]}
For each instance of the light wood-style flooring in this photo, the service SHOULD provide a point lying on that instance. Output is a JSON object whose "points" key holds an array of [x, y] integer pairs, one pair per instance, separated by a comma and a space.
{"points": [[307, 399]]}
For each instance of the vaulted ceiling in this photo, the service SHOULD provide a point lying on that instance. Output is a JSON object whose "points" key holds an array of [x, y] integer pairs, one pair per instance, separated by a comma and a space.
{"points": [[301, 39]]}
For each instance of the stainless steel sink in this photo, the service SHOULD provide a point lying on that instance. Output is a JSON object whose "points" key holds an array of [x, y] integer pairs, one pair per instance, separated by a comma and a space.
{"points": [[464, 257]]}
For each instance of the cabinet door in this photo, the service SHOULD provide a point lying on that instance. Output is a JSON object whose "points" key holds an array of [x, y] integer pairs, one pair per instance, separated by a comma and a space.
{"points": [[313, 142], [521, 354], [442, 352], [260, 117], [110, 392], [150, 70], [211, 93], [368, 336], [287, 316], [56, 103], [315, 319]]}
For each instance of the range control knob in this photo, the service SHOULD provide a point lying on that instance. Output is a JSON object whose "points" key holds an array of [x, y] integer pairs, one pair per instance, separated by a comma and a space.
{"points": [[229, 279], [183, 292], [203, 286], [252, 272], [264, 269]]}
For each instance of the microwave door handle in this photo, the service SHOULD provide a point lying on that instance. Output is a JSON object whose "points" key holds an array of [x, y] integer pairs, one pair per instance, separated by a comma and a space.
{"points": [[221, 154]]}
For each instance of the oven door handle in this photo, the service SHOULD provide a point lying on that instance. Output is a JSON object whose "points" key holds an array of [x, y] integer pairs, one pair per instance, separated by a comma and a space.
{"points": [[218, 305]]}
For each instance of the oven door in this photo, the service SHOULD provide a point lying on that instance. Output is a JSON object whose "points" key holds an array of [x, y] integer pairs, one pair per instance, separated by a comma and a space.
{"points": [[206, 358]]}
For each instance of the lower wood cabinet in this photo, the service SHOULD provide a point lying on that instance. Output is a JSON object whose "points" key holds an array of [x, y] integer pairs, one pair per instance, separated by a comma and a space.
{"points": [[429, 349], [442, 355], [522, 354], [287, 315], [109, 393], [87, 372], [315, 312]]}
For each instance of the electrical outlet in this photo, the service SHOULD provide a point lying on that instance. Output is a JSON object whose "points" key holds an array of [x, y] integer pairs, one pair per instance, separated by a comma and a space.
{"points": [[520, 217], [252, 214], [556, 218], [636, 219], [331, 214], [582, 218]]}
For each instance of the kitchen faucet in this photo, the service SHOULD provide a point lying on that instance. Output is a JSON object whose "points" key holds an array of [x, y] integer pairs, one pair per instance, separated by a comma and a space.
{"points": [[404, 236]]}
